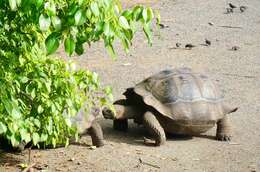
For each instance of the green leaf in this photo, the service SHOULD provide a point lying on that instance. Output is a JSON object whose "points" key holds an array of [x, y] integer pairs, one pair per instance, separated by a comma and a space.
{"points": [[52, 42], [33, 94], [25, 135], [107, 29], [69, 45], [40, 109], [50, 8], [94, 8], [14, 141], [149, 14], [148, 33], [44, 22], [111, 51], [38, 3], [145, 15], [12, 4], [3, 128], [79, 49], [24, 79], [123, 22], [35, 138], [44, 137], [80, 18], [56, 22]]}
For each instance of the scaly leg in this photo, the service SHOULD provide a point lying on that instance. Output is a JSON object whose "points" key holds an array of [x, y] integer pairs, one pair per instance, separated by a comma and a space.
{"points": [[96, 133], [223, 129], [154, 127]]}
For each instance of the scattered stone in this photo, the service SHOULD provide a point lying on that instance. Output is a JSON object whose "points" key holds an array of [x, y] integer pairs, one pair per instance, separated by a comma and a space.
{"points": [[232, 5], [210, 23], [189, 46], [58, 169], [71, 159], [92, 147], [178, 44], [149, 164], [162, 26], [173, 159], [235, 48], [229, 10], [127, 64], [79, 163], [208, 43], [242, 8]]}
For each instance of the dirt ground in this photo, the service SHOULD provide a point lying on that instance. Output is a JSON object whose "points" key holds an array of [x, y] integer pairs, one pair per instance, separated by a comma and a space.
{"points": [[185, 21]]}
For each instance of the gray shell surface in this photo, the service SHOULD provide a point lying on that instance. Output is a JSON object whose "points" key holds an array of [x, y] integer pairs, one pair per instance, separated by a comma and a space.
{"points": [[182, 94]]}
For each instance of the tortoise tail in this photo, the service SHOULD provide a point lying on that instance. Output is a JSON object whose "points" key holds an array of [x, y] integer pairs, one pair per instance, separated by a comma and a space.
{"points": [[229, 109]]}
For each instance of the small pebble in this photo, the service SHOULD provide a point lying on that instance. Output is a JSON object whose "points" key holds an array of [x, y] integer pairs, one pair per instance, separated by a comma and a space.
{"points": [[178, 44], [235, 48], [71, 159], [242, 8], [189, 46], [207, 42], [231, 5]]}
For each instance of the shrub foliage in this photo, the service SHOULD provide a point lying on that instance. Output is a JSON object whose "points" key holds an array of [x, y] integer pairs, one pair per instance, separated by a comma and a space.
{"points": [[35, 88]]}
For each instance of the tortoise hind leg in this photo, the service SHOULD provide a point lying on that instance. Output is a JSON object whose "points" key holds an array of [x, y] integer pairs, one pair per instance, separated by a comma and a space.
{"points": [[96, 133], [154, 127], [223, 129]]}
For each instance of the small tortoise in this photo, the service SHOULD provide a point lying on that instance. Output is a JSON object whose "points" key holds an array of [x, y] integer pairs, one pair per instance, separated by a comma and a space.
{"points": [[85, 125], [177, 101]]}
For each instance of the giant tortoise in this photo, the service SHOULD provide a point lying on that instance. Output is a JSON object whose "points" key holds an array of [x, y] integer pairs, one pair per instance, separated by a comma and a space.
{"points": [[177, 101]]}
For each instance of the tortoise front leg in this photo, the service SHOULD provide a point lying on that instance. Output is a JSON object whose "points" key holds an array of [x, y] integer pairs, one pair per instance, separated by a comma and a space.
{"points": [[154, 127], [224, 129], [96, 133]]}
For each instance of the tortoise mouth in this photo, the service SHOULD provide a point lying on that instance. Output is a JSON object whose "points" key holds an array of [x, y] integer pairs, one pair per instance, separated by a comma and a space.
{"points": [[108, 113]]}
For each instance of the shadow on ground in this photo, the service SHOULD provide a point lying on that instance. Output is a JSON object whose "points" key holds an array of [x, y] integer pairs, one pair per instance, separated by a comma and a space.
{"points": [[135, 134]]}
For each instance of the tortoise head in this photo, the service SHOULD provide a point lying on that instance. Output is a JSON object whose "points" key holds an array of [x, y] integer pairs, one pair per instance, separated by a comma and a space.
{"points": [[108, 113], [117, 113]]}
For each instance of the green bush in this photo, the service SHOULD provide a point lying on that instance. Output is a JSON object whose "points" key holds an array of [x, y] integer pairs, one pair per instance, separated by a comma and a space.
{"points": [[35, 89]]}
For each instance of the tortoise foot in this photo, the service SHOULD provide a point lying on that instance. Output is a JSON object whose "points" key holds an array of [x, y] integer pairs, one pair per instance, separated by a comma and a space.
{"points": [[223, 137]]}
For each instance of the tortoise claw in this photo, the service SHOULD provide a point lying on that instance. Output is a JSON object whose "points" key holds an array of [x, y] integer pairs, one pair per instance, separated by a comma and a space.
{"points": [[224, 137]]}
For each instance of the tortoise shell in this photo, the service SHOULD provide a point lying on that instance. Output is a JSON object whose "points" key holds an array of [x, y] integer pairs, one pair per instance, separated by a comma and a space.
{"points": [[183, 95]]}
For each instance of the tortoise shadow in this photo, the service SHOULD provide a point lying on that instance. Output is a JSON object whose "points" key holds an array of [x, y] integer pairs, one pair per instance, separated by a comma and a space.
{"points": [[135, 134]]}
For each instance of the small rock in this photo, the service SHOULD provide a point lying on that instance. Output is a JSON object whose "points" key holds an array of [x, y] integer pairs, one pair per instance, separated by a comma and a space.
{"points": [[92, 147], [127, 64], [174, 159], [210, 23], [232, 5], [208, 43], [235, 48], [178, 44], [229, 10], [58, 169], [162, 26], [242, 8], [189, 46], [71, 159], [79, 163]]}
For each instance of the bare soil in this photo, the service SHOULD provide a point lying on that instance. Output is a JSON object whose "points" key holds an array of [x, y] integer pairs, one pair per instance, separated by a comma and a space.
{"points": [[186, 21]]}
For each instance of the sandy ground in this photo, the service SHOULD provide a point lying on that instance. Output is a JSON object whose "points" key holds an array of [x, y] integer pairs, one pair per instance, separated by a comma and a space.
{"points": [[237, 71]]}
